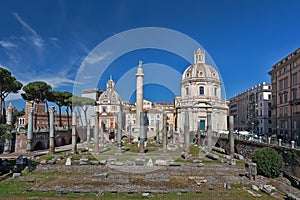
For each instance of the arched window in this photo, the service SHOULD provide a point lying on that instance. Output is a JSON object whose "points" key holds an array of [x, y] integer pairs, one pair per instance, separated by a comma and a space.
{"points": [[215, 91], [186, 91], [201, 90]]}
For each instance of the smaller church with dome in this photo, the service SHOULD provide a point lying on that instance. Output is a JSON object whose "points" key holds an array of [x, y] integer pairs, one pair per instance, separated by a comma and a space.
{"points": [[201, 96], [109, 105]]}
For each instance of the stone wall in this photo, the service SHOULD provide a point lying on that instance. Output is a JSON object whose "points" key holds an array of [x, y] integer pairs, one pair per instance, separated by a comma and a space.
{"points": [[41, 140], [21, 142], [247, 148]]}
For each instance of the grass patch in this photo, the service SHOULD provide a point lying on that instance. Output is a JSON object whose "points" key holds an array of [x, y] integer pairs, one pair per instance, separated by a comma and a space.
{"points": [[50, 158]]}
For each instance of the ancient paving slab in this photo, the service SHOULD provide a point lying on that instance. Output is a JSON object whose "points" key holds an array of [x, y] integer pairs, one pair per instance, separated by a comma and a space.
{"points": [[157, 177]]}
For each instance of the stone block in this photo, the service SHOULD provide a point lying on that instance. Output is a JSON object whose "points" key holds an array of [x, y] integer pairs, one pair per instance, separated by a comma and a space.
{"points": [[149, 163], [197, 161], [68, 161], [174, 164], [254, 187], [118, 163], [101, 176], [269, 189], [103, 162], [84, 158], [83, 163], [43, 162], [139, 162], [161, 163], [94, 162], [51, 162], [212, 156], [16, 175]]}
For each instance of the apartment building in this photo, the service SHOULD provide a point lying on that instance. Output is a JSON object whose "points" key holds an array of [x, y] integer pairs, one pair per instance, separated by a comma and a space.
{"points": [[251, 109], [285, 80]]}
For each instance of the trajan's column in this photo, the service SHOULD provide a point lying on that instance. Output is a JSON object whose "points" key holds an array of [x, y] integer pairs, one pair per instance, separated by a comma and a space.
{"points": [[139, 97]]}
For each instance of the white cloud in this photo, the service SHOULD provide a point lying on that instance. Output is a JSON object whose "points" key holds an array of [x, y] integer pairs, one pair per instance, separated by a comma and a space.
{"points": [[7, 44], [92, 58], [35, 38], [53, 38]]}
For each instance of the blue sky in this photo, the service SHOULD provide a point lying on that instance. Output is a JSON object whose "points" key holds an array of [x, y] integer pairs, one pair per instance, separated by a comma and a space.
{"points": [[48, 40]]}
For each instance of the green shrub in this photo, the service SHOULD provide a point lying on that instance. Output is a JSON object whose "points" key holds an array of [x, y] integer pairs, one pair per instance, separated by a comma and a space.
{"points": [[269, 162]]}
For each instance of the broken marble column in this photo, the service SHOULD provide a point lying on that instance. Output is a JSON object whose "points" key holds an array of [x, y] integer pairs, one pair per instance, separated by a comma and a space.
{"points": [[186, 133], [157, 131], [231, 136], [101, 130], [88, 132], [96, 133], [129, 134], [142, 133], [74, 135], [51, 131], [119, 131], [171, 131], [30, 129], [7, 144], [164, 133], [209, 133]]}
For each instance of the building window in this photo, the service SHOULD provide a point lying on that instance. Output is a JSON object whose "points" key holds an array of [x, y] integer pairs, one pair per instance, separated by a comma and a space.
{"points": [[280, 98], [285, 111], [294, 94], [216, 91], [294, 79], [201, 90], [294, 108], [186, 91], [280, 85], [285, 83], [295, 124], [294, 64], [280, 111], [103, 109], [285, 97]]}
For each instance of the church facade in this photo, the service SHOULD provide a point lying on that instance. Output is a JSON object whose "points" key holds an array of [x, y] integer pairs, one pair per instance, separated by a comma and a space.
{"points": [[109, 105], [200, 97]]}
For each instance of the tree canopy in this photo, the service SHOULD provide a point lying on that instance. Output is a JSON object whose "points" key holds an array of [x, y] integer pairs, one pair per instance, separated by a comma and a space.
{"points": [[61, 99], [8, 84], [38, 91], [82, 101]]}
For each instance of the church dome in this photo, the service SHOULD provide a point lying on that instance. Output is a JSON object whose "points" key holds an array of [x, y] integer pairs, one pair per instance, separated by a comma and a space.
{"points": [[110, 93], [200, 69]]}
